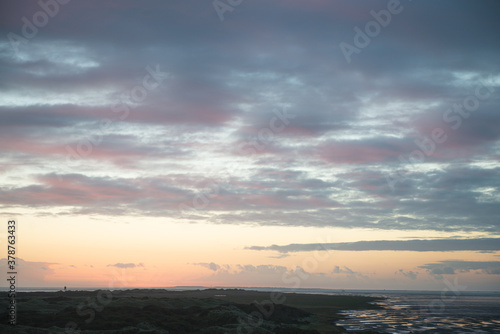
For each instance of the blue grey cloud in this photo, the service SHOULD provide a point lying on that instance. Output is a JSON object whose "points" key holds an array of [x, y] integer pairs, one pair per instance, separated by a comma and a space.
{"points": [[212, 118], [452, 267], [126, 265], [432, 245], [212, 266], [410, 273]]}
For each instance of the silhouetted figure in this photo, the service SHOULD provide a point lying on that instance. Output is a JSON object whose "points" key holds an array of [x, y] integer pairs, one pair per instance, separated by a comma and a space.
{"points": [[64, 289]]}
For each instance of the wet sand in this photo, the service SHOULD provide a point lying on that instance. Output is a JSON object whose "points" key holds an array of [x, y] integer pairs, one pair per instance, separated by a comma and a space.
{"points": [[208, 311]]}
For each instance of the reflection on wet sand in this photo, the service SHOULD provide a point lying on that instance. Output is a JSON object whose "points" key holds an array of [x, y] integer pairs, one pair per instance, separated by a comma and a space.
{"points": [[415, 314]]}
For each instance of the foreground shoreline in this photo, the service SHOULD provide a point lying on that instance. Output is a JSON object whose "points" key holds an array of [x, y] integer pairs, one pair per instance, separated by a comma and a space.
{"points": [[208, 311]]}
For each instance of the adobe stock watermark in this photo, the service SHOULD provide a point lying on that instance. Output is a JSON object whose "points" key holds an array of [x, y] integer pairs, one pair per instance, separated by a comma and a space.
{"points": [[363, 38], [264, 137], [129, 99], [448, 295], [30, 28], [222, 6], [438, 305], [266, 308], [453, 117]]}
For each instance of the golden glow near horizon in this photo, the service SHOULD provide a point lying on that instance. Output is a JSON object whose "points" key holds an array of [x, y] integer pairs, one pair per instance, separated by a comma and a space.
{"points": [[153, 252]]}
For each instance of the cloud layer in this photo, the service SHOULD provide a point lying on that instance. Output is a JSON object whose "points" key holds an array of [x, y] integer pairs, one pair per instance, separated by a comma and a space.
{"points": [[433, 245], [452, 267], [160, 109], [126, 265]]}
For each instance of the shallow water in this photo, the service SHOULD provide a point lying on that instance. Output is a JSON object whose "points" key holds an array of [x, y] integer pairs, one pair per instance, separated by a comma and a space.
{"points": [[428, 314]]}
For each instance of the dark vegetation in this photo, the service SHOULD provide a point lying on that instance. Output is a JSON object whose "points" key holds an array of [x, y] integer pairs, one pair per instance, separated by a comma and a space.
{"points": [[210, 311]]}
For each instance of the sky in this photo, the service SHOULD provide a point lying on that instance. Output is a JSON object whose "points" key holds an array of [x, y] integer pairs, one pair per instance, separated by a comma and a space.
{"points": [[285, 143]]}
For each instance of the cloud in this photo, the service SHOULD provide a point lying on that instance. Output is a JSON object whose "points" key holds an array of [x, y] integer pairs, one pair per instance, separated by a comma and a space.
{"points": [[451, 267], [347, 271], [126, 265], [280, 256], [68, 113], [212, 266], [275, 275], [261, 269], [33, 273], [344, 270], [410, 273], [433, 245]]}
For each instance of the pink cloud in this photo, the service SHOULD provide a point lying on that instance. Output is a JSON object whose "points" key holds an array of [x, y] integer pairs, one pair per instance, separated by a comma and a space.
{"points": [[355, 153]]}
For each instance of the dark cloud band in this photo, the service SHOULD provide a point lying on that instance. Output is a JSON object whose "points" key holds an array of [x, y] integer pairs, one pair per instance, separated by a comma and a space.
{"points": [[445, 245]]}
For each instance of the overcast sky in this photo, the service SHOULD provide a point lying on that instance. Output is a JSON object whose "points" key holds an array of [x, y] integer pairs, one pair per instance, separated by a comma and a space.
{"points": [[268, 125]]}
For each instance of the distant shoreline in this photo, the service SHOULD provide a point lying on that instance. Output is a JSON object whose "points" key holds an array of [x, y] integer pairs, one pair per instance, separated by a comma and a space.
{"points": [[260, 289]]}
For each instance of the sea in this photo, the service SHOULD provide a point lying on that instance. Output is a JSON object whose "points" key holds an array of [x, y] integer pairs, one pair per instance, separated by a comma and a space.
{"points": [[401, 311], [429, 312]]}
